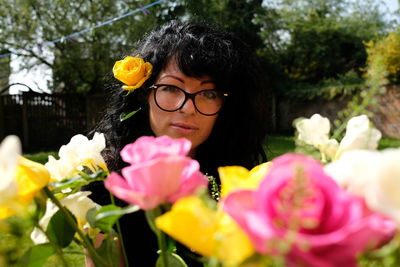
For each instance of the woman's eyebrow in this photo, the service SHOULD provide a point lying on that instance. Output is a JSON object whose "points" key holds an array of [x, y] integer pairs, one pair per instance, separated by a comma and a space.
{"points": [[183, 81], [207, 81], [173, 76]]}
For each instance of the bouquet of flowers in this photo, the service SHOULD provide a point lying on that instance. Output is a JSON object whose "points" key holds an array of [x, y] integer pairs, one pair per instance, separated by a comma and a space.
{"points": [[329, 204]]}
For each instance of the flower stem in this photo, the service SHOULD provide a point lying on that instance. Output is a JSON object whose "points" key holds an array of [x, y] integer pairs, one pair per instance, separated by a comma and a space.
{"points": [[151, 215], [162, 244], [86, 242], [120, 234]]}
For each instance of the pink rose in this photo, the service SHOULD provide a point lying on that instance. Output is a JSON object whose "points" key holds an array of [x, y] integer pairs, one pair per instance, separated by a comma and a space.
{"points": [[332, 227], [147, 147], [159, 174]]}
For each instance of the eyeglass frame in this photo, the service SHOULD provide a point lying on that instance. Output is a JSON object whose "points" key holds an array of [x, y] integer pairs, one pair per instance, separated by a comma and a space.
{"points": [[187, 96]]}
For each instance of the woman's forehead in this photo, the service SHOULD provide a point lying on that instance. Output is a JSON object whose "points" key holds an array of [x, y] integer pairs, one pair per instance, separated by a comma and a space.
{"points": [[172, 70]]}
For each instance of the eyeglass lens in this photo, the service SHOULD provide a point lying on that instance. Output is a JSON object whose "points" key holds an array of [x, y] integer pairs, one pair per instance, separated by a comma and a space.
{"points": [[172, 98]]}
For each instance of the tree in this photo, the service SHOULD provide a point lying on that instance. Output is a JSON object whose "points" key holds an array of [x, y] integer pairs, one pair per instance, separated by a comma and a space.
{"points": [[309, 40], [79, 63], [325, 38], [254, 22]]}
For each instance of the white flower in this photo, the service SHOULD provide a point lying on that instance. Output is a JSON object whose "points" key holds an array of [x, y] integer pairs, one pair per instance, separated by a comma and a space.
{"points": [[359, 135], [77, 203], [10, 150], [314, 131], [79, 152], [330, 148], [374, 175], [60, 169]]}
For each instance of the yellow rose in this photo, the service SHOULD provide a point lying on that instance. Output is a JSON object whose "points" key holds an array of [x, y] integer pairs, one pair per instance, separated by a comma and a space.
{"points": [[211, 233], [234, 246], [132, 71], [30, 178], [191, 223], [237, 177]]}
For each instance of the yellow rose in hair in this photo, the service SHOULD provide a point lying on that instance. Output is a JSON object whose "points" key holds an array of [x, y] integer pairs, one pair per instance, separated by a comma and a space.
{"points": [[132, 71]]}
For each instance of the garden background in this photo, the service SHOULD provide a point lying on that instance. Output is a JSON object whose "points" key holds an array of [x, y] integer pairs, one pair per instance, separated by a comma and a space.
{"points": [[317, 56]]}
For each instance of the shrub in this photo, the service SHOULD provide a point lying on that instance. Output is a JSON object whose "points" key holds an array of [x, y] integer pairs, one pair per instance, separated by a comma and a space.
{"points": [[387, 51]]}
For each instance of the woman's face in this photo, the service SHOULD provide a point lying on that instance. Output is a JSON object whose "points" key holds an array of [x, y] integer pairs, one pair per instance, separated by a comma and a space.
{"points": [[185, 122]]}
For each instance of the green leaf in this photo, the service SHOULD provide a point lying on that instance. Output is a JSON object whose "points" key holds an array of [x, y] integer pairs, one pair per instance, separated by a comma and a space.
{"points": [[173, 260], [109, 250], [123, 117], [107, 216], [75, 183], [37, 256], [59, 231]]}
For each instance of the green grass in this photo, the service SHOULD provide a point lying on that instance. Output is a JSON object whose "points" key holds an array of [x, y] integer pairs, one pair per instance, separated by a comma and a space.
{"points": [[388, 142], [41, 157], [278, 145]]}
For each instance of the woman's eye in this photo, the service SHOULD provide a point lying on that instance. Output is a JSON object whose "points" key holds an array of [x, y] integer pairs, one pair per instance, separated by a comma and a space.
{"points": [[210, 94], [168, 88]]}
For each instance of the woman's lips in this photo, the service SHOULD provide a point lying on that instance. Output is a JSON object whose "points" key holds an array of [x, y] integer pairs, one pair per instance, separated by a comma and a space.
{"points": [[184, 127]]}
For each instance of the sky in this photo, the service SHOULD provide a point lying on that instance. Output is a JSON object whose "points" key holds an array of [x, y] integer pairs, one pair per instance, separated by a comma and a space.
{"points": [[392, 4], [38, 78]]}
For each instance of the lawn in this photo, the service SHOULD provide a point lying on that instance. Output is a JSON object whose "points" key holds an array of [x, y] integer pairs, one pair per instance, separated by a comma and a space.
{"points": [[41, 157], [278, 145], [389, 142]]}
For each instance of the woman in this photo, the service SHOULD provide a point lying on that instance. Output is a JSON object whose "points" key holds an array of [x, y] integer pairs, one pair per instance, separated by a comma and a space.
{"points": [[204, 86]]}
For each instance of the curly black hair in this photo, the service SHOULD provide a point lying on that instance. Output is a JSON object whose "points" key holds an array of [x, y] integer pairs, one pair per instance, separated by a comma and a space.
{"points": [[199, 49]]}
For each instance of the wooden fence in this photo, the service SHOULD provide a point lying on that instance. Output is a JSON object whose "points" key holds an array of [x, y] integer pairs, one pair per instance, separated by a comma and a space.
{"points": [[45, 122]]}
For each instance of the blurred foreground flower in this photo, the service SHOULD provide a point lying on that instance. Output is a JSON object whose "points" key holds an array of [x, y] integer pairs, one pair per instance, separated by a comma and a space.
{"points": [[80, 152], [237, 177], [10, 149], [159, 172], [374, 175], [79, 204], [213, 233], [301, 213], [20, 179], [66, 215]]}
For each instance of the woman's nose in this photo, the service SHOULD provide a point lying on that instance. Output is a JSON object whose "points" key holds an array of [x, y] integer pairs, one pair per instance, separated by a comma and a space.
{"points": [[188, 107]]}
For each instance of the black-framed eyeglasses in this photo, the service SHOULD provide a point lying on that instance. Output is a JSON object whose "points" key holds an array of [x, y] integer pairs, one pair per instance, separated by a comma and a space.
{"points": [[172, 98]]}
